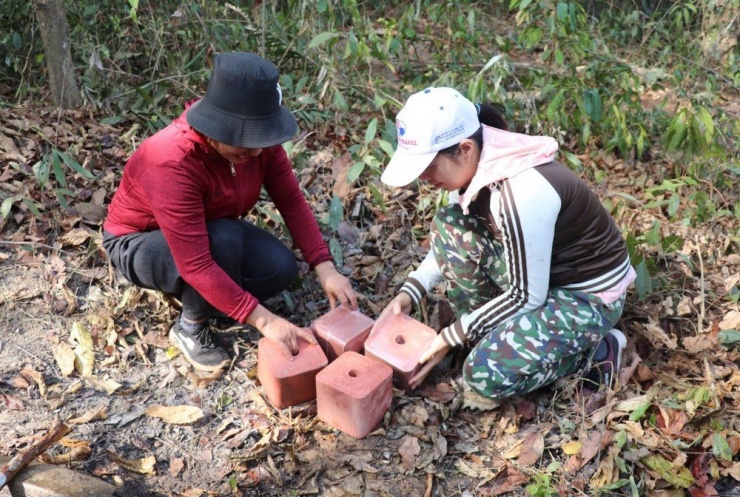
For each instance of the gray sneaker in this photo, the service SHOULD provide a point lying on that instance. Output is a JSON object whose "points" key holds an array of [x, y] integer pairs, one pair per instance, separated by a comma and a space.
{"points": [[200, 348]]}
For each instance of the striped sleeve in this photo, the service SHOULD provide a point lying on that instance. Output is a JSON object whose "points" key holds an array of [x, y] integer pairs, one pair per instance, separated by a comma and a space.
{"points": [[526, 209], [423, 279]]}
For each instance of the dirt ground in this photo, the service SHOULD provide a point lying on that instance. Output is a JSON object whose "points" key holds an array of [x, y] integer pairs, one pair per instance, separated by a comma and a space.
{"points": [[671, 423]]}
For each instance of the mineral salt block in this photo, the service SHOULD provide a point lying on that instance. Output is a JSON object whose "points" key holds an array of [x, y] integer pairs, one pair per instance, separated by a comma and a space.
{"points": [[287, 382], [353, 393], [341, 330], [399, 341]]}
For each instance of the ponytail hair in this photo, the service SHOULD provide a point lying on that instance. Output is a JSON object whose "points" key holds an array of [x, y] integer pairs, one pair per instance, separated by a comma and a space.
{"points": [[491, 116], [487, 115]]}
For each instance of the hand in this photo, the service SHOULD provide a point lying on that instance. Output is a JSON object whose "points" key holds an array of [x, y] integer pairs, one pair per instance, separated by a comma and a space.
{"points": [[336, 286], [433, 356], [280, 330], [401, 303]]}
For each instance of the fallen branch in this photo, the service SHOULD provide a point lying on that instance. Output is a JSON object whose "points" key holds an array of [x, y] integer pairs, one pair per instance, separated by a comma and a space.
{"points": [[20, 461]]}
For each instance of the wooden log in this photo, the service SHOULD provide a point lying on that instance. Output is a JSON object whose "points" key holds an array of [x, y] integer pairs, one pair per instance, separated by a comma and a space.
{"points": [[23, 459]]}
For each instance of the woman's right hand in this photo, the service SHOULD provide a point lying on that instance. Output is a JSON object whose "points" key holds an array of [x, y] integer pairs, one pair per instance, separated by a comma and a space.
{"points": [[280, 330], [401, 303]]}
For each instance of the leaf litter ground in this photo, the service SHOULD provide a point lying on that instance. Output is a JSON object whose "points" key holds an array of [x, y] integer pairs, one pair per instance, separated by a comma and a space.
{"points": [[78, 342]]}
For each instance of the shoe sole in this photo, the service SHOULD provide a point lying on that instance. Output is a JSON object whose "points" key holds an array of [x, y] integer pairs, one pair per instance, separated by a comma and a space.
{"points": [[202, 367]]}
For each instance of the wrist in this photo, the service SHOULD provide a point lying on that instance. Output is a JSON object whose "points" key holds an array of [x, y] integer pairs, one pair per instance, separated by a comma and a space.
{"points": [[324, 269], [259, 317]]}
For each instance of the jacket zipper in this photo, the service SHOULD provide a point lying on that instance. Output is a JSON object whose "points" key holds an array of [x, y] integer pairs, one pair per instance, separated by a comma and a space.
{"points": [[233, 171]]}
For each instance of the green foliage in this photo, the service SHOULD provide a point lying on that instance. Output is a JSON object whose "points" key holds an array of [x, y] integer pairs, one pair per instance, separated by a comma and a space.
{"points": [[541, 486]]}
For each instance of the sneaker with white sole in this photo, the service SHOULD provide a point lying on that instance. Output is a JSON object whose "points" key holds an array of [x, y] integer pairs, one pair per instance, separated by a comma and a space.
{"points": [[200, 348], [607, 366]]}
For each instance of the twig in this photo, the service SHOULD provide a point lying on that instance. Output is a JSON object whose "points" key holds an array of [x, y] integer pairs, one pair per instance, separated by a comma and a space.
{"points": [[430, 482], [15, 465], [702, 313]]}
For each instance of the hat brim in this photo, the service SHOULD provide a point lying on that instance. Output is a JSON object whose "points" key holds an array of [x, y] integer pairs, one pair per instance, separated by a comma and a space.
{"points": [[237, 131], [405, 167]]}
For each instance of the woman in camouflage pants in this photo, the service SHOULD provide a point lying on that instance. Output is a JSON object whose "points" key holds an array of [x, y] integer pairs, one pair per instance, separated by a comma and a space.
{"points": [[534, 265]]}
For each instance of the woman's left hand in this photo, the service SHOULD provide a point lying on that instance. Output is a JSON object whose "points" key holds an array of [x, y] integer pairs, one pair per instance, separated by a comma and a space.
{"points": [[337, 287], [433, 356]]}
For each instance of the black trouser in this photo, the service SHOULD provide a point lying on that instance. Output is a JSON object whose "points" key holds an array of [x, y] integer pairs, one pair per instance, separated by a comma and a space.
{"points": [[251, 256]]}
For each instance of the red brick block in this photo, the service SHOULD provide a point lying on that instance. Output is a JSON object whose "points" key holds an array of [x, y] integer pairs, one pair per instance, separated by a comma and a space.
{"points": [[399, 341], [353, 393], [340, 330], [287, 382]]}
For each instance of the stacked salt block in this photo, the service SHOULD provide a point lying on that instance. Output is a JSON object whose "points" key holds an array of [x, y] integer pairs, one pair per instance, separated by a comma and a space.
{"points": [[353, 393], [341, 330], [287, 382], [399, 341]]}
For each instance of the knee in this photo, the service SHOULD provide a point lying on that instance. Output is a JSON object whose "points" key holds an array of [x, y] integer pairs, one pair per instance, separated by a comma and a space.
{"points": [[286, 269], [483, 380], [226, 240]]}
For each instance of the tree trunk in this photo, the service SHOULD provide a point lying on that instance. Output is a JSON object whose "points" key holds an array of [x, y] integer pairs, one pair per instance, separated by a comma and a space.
{"points": [[53, 25]]}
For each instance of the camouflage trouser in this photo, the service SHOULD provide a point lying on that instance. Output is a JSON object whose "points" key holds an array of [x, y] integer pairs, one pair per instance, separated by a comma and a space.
{"points": [[529, 350]]}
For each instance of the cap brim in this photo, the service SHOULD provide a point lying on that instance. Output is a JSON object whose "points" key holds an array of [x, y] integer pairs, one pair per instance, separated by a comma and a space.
{"points": [[405, 167], [239, 132]]}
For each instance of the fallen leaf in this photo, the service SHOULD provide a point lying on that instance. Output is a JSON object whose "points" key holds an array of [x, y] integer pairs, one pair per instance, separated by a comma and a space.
{"points": [[731, 321], [657, 335], [97, 413], [441, 392], [106, 385], [408, 450], [11, 401], [572, 447], [19, 382], [74, 454], [83, 350], [205, 380], [415, 414], [65, 357], [678, 477], [145, 465], [607, 471], [178, 415], [176, 466], [532, 449], [75, 236]]}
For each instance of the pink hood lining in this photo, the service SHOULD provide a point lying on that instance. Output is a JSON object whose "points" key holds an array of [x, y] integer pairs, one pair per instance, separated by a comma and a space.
{"points": [[505, 155]]}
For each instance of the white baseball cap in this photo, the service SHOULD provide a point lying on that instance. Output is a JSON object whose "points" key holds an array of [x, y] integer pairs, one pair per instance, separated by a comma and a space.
{"points": [[432, 120]]}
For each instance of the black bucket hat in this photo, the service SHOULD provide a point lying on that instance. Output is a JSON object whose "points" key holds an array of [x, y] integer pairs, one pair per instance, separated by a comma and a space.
{"points": [[242, 105]]}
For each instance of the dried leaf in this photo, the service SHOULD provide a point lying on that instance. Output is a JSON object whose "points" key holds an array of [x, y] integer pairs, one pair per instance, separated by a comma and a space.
{"points": [[178, 415], [572, 447], [415, 414], [74, 454], [83, 350], [206, 380], [145, 465], [731, 321], [75, 237], [657, 335], [106, 385], [11, 401], [409, 449], [97, 413], [678, 477], [65, 357], [176, 466], [441, 392], [29, 373], [532, 449], [607, 471]]}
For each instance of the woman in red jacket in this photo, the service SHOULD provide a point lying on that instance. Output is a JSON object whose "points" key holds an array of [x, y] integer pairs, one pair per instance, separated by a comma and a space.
{"points": [[175, 223]]}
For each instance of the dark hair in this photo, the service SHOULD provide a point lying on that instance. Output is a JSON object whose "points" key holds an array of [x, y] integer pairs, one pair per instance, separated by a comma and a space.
{"points": [[488, 115]]}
